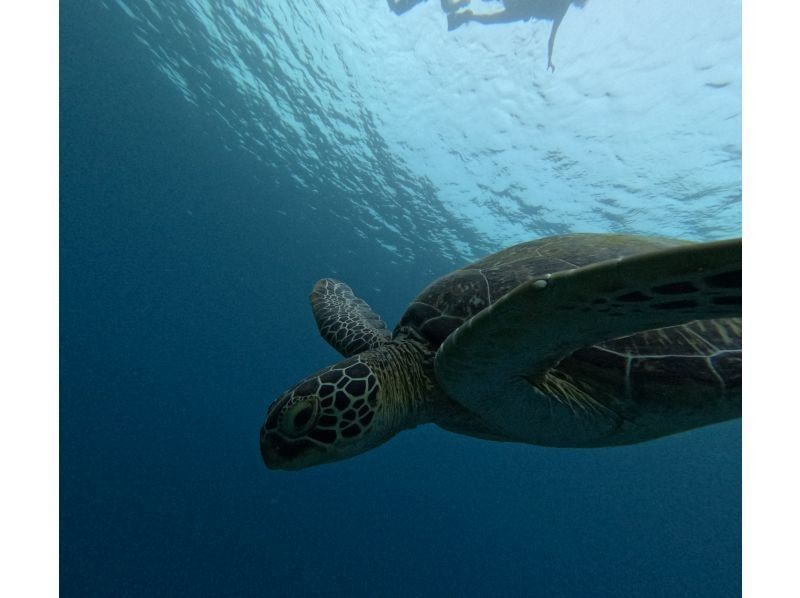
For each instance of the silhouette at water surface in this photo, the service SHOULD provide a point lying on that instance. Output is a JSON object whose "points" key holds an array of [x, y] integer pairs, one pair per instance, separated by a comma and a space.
{"points": [[520, 10]]}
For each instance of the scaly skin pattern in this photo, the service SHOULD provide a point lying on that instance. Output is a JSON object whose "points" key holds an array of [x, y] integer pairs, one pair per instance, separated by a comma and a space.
{"points": [[346, 322]]}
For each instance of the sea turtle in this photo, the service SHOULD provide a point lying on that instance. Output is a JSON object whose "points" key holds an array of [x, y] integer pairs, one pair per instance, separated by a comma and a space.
{"points": [[581, 340]]}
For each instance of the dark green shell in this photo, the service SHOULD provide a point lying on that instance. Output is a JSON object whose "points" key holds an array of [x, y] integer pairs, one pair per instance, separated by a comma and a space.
{"points": [[447, 302], [699, 353]]}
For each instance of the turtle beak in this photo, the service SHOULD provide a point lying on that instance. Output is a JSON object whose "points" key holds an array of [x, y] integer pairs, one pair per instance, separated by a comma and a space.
{"points": [[269, 450], [279, 453]]}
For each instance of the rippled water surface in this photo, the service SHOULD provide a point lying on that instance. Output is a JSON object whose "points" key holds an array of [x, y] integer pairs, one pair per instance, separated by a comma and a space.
{"points": [[466, 139]]}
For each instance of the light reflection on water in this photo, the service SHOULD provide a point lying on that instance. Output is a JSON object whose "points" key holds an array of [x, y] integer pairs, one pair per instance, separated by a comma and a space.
{"points": [[409, 135]]}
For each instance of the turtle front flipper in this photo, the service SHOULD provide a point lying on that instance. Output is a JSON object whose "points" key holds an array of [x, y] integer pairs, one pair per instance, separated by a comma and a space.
{"points": [[496, 364], [346, 322]]}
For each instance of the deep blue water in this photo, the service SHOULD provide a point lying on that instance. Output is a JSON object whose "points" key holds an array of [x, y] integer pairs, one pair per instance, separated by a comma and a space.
{"points": [[195, 218]]}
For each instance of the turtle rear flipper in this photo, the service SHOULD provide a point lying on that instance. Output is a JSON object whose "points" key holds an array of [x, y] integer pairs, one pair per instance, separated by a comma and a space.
{"points": [[346, 322], [496, 363]]}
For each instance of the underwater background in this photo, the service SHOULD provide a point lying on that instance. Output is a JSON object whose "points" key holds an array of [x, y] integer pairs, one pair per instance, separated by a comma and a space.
{"points": [[217, 158]]}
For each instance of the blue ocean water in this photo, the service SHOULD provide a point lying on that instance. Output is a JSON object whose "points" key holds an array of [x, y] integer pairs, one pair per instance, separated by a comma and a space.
{"points": [[217, 158]]}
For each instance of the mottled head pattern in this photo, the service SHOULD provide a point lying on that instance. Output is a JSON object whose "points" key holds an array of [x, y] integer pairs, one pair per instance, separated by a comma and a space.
{"points": [[326, 417]]}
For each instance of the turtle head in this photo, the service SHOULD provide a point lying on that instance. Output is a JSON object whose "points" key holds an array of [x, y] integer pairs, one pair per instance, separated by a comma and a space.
{"points": [[331, 415]]}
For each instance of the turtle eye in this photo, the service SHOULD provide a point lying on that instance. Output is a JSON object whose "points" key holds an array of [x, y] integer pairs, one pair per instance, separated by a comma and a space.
{"points": [[299, 418]]}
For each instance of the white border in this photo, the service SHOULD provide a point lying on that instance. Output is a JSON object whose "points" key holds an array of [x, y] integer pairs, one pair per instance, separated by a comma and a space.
{"points": [[29, 299], [771, 420]]}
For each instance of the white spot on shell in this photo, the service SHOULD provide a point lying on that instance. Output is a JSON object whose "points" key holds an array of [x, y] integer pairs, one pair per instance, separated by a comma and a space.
{"points": [[540, 284]]}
